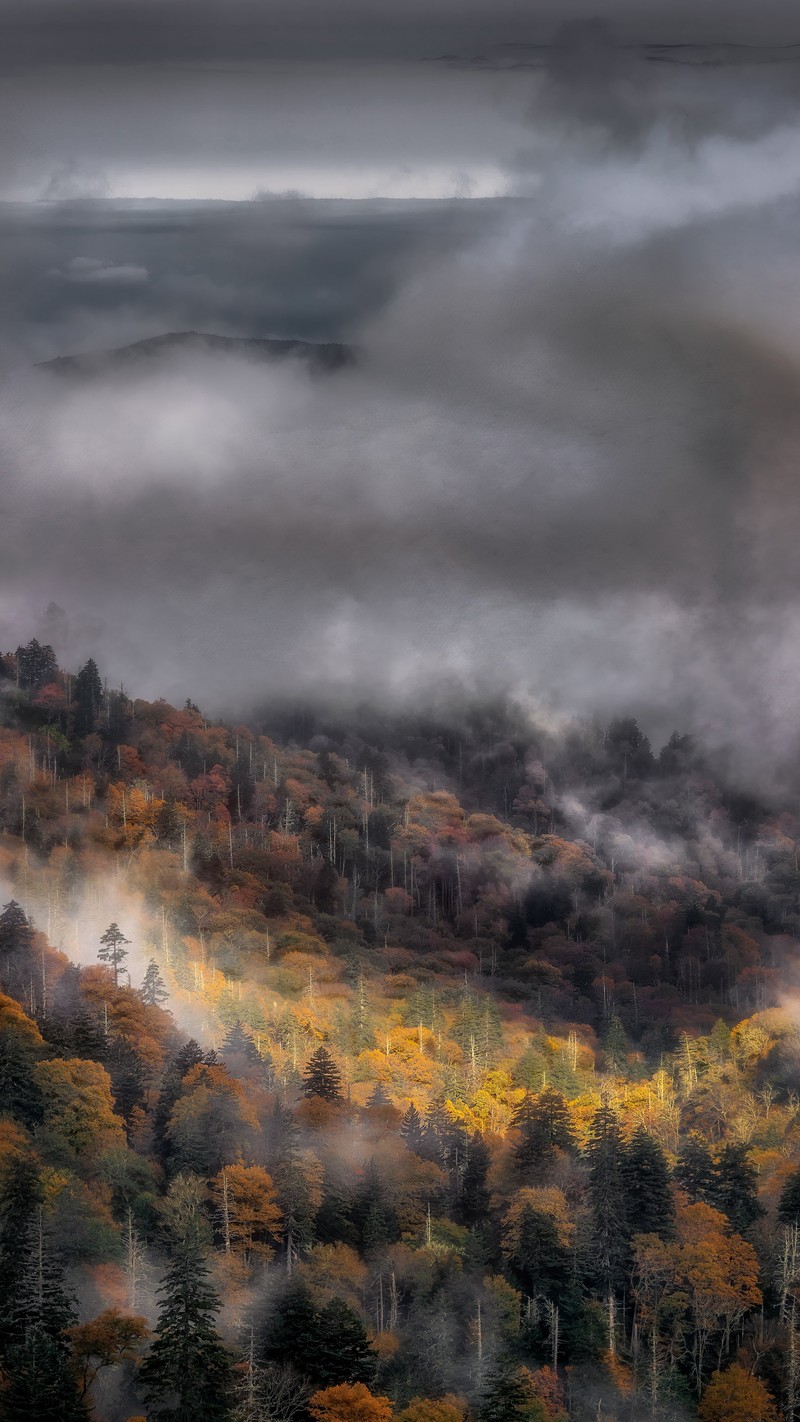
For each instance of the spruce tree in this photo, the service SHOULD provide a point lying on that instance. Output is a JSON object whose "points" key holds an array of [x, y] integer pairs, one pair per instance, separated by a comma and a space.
{"points": [[293, 1334], [153, 991], [539, 1261], [474, 1194], [735, 1187], [322, 1077], [40, 1385], [343, 1352], [190, 1055], [605, 1154], [188, 1373], [239, 1043], [616, 1046], [112, 949], [411, 1128], [88, 698], [789, 1206], [544, 1124], [649, 1205], [694, 1171], [507, 1397], [16, 948]]}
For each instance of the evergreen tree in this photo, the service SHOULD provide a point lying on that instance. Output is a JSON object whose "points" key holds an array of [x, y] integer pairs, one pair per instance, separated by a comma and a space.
{"points": [[649, 1206], [474, 1194], [616, 1046], [507, 1397], [544, 1124], [153, 991], [40, 1385], [735, 1187], [190, 1055], [293, 1334], [343, 1352], [322, 1077], [37, 1299], [789, 1206], [411, 1128], [239, 1043], [36, 665], [539, 1261], [378, 1098], [187, 1375], [694, 1171], [16, 948], [606, 1154], [88, 698], [113, 950]]}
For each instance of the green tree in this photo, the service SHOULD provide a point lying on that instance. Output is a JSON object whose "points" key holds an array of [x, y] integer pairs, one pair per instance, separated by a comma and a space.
{"points": [[789, 1206], [153, 991], [343, 1352], [736, 1188], [113, 950], [321, 1076], [695, 1173], [605, 1156], [544, 1126], [508, 1397], [649, 1206], [88, 698], [187, 1376], [40, 1385]]}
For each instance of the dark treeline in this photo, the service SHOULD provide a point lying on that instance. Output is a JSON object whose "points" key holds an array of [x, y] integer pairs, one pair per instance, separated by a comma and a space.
{"points": [[430, 1068]]}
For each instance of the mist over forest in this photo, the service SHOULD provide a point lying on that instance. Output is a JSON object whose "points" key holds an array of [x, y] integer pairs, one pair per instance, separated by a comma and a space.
{"points": [[399, 670]]}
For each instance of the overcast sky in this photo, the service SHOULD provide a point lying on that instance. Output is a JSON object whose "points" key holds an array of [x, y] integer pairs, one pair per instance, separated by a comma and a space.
{"points": [[564, 245]]}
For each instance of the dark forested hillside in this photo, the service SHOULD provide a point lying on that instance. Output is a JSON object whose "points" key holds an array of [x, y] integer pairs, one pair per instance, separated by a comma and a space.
{"points": [[430, 1068]]}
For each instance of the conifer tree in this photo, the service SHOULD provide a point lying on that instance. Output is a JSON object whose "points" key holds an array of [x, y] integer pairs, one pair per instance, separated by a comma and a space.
{"points": [[153, 991], [544, 1124], [735, 1187], [188, 1374], [616, 1045], [694, 1171], [789, 1206], [508, 1397], [40, 1385], [88, 698], [605, 1155], [16, 948], [322, 1077], [378, 1097], [239, 1043], [343, 1352], [649, 1205], [293, 1333], [474, 1194], [112, 949], [411, 1128]]}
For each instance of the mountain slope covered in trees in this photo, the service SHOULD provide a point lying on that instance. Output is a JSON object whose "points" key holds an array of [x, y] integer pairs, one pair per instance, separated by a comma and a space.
{"points": [[430, 1068]]}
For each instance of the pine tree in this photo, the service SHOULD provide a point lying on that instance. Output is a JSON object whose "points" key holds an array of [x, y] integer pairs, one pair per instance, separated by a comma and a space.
{"points": [[789, 1206], [322, 1077], [616, 1046], [88, 698], [694, 1171], [539, 1261], [411, 1128], [508, 1397], [40, 1385], [605, 1154], [649, 1205], [545, 1126], [190, 1055], [293, 1334], [239, 1043], [735, 1187], [37, 1298], [153, 990], [474, 1194], [187, 1375], [16, 948], [112, 949], [378, 1098], [343, 1352], [36, 665]]}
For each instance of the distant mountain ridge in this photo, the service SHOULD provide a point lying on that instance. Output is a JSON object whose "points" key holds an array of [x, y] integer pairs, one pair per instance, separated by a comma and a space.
{"points": [[320, 355]]}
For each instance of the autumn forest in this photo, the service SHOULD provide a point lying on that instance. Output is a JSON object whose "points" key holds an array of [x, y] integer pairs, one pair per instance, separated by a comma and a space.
{"points": [[370, 1066]]}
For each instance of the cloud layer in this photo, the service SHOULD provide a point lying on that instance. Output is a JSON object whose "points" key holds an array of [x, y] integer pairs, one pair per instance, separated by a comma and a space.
{"points": [[564, 462]]}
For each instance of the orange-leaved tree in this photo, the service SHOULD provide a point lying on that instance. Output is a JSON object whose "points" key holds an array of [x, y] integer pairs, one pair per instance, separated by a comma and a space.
{"points": [[349, 1402], [248, 1210], [736, 1396]]}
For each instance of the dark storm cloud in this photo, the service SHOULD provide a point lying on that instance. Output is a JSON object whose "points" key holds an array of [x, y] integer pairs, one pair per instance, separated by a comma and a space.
{"points": [[564, 460]]}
